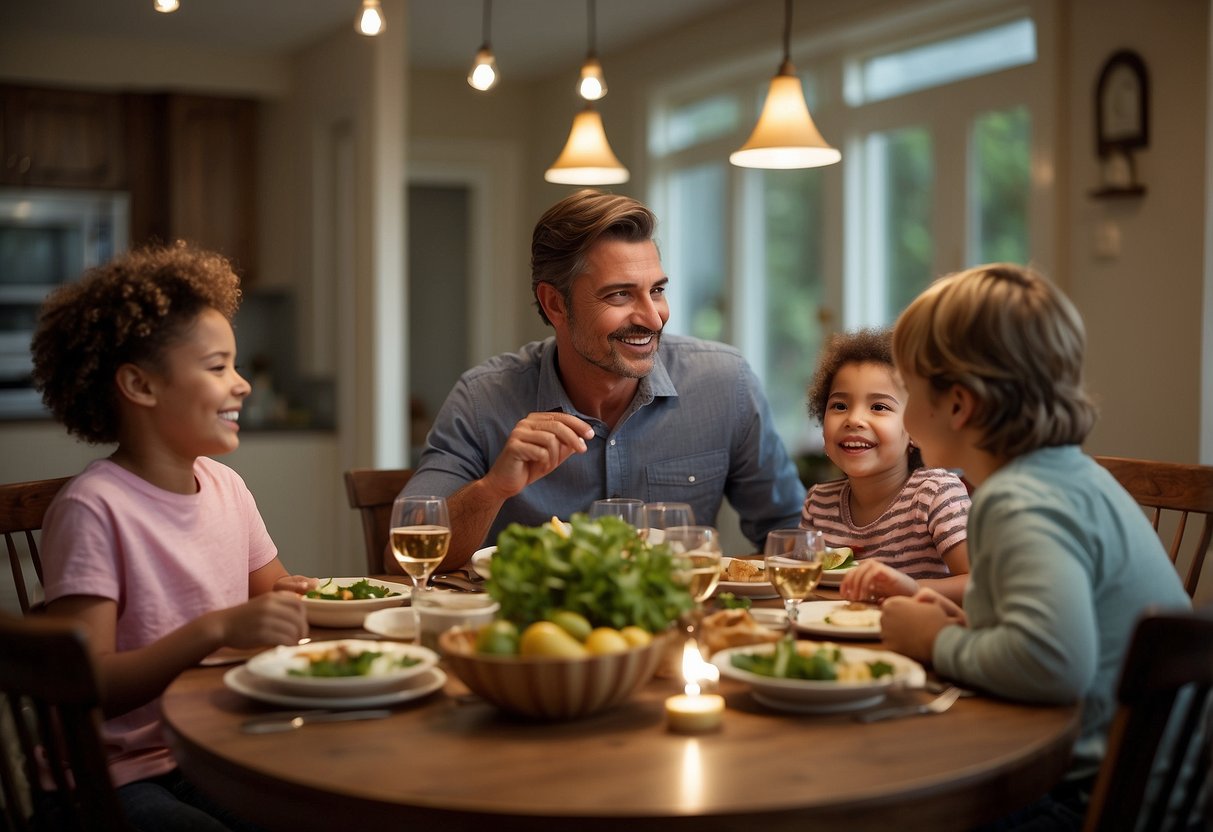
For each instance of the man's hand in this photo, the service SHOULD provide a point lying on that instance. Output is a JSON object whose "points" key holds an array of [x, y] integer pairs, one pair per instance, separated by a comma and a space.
{"points": [[537, 445]]}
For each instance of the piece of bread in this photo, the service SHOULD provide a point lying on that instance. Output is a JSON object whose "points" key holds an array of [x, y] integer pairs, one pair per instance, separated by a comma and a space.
{"points": [[745, 571], [733, 628]]}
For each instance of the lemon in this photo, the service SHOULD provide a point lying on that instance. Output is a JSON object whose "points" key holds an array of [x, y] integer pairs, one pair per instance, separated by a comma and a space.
{"points": [[543, 638], [604, 640], [559, 527], [636, 636], [499, 637], [575, 624], [836, 557]]}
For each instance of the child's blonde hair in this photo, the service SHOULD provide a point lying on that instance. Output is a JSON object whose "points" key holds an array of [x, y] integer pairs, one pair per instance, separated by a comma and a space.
{"points": [[129, 310], [1015, 341]]}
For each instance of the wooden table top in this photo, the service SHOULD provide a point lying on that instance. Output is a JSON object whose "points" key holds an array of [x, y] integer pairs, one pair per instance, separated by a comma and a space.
{"points": [[454, 760]]}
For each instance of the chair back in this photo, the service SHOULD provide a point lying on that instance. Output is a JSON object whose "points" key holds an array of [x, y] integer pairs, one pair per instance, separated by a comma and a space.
{"points": [[372, 491], [1183, 491], [1169, 655], [52, 710], [22, 507]]}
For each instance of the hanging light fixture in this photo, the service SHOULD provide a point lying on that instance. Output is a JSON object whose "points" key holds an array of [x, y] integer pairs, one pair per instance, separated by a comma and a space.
{"points": [[165, 6], [592, 84], [483, 74], [587, 158], [785, 136], [370, 20]]}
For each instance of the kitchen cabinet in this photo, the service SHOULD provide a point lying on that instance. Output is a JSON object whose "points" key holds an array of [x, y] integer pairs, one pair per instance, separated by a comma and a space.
{"points": [[61, 138], [194, 160]]}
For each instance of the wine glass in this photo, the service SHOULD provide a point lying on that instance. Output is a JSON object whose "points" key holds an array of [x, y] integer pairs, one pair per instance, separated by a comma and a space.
{"points": [[661, 516], [421, 533], [697, 560], [627, 509], [794, 560]]}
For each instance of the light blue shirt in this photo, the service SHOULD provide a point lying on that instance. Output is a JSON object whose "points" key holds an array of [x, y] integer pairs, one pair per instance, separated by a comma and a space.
{"points": [[698, 430], [1062, 563]]}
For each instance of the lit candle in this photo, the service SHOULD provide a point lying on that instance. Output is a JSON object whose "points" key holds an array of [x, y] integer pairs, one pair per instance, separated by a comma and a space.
{"points": [[694, 712]]}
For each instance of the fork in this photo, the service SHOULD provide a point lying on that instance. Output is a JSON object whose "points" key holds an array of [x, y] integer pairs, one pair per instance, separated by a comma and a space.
{"points": [[937, 705]]}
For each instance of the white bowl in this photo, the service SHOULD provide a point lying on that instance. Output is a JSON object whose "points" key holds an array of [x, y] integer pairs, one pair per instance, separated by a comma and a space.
{"points": [[323, 612], [808, 696], [275, 666]]}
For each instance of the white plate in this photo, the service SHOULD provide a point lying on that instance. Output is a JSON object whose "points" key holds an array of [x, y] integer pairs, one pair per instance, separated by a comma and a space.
{"points": [[481, 559], [833, 577], [806, 696], [241, 681], [274, 667], [811, 619], [396, 622], [745, 589], [326, 613]]}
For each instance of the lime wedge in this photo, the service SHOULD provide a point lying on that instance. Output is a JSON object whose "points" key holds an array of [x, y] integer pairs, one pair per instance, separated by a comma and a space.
{"points": [[837, 557]]}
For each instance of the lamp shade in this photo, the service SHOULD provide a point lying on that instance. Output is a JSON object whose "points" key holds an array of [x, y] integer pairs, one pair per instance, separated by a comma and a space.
{"points": [[587, 158], [785, 136]]}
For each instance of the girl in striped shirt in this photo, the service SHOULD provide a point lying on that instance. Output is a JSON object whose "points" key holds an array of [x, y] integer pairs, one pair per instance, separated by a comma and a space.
{"points": [[905, 523]]}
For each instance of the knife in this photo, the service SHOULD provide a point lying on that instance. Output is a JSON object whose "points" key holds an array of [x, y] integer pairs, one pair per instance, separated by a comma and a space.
{"points": [[272, 724]]}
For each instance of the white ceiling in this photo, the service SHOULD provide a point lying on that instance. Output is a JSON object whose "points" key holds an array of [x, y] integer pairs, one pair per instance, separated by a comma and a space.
{"points": [[531, 38]]}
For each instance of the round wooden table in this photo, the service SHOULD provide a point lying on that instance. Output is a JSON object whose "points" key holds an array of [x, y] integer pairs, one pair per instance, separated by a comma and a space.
{"points": [[454, 761]]}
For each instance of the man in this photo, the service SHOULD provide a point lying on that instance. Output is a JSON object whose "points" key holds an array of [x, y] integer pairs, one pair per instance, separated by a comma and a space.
{"points": [[608, 407]]}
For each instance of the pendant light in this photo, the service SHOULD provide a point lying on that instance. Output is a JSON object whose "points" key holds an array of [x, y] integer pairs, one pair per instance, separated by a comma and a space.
{"points": [[165, 6], [785, 136], [587, 158], [483, 74], [370, 20]]}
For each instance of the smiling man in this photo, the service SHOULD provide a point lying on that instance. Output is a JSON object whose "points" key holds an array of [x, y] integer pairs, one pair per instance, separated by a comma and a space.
{"points": [[608, 406]]}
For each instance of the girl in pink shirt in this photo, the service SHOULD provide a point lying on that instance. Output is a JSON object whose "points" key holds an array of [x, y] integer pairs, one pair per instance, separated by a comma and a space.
{"points": [[156, 549], [905, 523]]}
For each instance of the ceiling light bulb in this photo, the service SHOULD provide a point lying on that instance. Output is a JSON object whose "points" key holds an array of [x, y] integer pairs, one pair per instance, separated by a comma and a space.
{"points": [[483, 75], [370, 20], [165, 6], [592, 84]]}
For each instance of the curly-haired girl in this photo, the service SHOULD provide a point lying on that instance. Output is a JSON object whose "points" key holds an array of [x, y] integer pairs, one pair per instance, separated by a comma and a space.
{"points": [[157, 549], [905, 523]]}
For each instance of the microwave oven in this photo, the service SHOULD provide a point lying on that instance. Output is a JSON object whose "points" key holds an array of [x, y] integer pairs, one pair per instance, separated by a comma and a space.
{"points": [[47, 238]]}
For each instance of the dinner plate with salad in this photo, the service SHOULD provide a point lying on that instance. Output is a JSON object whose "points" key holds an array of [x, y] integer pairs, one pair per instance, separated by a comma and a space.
{"points": [[345, 667], [818, 677], [344, 602]]}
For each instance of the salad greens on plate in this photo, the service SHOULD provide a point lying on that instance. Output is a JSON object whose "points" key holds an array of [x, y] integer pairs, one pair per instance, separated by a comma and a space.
{"points": [[600, 568], [825, 663]]}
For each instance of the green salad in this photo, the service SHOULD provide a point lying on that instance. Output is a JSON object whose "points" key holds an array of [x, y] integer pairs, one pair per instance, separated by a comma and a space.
{"points": [[360, 591], [601, 568], [823, 663], [341, 662]]}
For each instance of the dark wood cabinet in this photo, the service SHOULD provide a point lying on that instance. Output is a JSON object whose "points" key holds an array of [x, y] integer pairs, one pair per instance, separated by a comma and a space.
{"points": [[61, 138]]}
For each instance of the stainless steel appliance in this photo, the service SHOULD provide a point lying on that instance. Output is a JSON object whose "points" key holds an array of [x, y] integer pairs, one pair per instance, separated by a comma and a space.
{"points": [[47, 238]]}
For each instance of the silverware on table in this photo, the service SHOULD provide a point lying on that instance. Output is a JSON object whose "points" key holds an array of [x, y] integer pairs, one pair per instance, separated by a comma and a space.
{"points": [[289, 722], [457, 582], [937, 705]]}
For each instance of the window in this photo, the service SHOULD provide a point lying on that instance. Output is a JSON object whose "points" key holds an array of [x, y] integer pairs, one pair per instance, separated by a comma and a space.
{"points": [[938, 113]]}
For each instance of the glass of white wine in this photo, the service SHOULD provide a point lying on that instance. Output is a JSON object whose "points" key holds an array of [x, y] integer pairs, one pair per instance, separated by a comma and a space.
{"points": [[421, 534], [794, 560], [697, 562]]}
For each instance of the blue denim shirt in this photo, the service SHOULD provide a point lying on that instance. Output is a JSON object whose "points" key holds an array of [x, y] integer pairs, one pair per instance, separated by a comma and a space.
{"points": [[698, 430]]}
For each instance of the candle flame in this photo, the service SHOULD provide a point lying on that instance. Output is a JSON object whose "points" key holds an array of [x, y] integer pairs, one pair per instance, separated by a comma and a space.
{"points": [[695, 670]]}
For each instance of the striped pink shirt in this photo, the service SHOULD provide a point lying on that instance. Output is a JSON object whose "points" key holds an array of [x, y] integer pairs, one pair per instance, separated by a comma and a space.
{"points": [[925, 521]]}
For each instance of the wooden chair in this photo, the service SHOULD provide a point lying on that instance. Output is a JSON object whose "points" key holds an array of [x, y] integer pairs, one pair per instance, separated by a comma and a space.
{"points": [[372, 491], [1176, 488], [47, 684], [1168, 654], [22, 507]]}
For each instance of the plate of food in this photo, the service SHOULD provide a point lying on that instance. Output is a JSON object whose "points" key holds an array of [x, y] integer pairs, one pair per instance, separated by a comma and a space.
{"points": [[838, 563], [344, 602], [745, 577], [245, 683], [837, 619], [481, 560], [818, 677], [346, 667]]}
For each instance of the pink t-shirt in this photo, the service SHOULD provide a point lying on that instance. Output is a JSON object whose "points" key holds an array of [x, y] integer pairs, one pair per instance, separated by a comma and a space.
{"points": [[165, 558], [924, 522]]}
